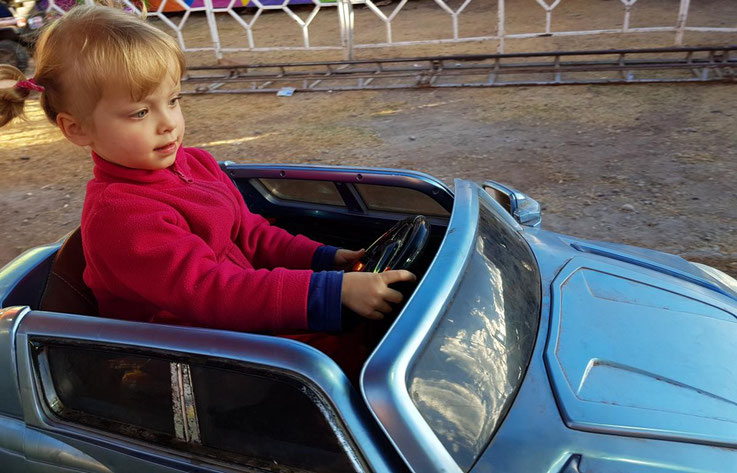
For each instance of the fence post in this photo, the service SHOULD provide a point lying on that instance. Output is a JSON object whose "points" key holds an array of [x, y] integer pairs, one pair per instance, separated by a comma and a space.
{"points": [[681, 24], [627, 12], [500, 26], [213, 29], [345, 18]]}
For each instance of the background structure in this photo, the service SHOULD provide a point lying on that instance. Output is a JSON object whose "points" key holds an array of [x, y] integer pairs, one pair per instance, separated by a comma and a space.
{"points": [[649, 165]]}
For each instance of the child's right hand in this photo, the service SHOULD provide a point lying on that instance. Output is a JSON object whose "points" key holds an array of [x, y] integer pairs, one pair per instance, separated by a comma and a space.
{"points": [[369, 294]]}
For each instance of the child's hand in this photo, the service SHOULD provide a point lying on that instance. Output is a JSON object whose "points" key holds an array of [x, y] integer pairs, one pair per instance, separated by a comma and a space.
{"points": [[346, 259], [369, 294]]}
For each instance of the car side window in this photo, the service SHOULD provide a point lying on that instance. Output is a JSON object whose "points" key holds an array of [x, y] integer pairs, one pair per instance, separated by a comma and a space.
{"points": [[230, 412], [267, 416], [382, 198], [399, 199], [318, 192], [110, 390]]}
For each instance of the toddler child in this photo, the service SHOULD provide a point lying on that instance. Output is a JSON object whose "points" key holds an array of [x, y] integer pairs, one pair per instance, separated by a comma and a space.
{"points": [[167, 237]]}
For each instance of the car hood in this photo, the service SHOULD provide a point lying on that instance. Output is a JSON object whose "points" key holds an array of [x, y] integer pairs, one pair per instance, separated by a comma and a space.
{"points": [[640, 342], [664, 263]]}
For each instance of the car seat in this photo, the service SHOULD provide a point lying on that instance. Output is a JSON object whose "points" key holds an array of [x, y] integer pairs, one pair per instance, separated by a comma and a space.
{"points": [[65, 289]]}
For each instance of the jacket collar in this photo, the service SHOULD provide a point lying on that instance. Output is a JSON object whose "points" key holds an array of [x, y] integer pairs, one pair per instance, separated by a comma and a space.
{"points": [[107, 171]]}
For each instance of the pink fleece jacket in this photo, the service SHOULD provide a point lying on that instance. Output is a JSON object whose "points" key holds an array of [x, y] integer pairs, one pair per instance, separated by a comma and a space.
{"points": [[179, 246]]}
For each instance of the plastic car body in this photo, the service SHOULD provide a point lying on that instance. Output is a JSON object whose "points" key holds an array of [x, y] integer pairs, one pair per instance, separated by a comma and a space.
{"points": [[520, 350]]}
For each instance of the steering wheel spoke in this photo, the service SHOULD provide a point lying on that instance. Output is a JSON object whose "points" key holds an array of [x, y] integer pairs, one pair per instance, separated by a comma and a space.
{"points": [[397, 248]]}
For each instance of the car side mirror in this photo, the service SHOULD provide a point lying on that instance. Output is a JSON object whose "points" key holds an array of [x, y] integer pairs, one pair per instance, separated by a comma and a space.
{"points": [[523, 208]]}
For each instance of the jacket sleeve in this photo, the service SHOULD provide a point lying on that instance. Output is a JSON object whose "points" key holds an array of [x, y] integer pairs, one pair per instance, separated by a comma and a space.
{"points": [[324, 306], [268, 246], [146, 253]]}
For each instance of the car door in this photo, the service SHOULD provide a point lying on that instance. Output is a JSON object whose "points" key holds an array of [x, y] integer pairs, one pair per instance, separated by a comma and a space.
{"points": [[109, 395], [342, 206]]}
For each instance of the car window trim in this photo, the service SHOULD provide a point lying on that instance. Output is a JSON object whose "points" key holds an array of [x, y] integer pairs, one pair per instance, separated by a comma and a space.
{"points": [[301, 362], [421, 182], [358, 207], [44, 383]]}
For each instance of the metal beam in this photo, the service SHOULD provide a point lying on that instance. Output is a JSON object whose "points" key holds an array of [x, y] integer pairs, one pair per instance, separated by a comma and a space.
{"points": [[619, 66]]}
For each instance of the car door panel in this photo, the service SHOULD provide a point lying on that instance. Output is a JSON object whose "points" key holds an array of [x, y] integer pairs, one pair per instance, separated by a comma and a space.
{"points": [[182, 345]]}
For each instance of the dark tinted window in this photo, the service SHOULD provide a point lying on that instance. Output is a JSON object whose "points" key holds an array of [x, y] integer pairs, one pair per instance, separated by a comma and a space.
{"points": [[464, 380], [240, 415], [319, 192], [272, 419], [111, 390], [400, 199]]}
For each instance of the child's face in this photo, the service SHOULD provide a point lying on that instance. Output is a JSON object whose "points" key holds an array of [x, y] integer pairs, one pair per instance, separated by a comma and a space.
{"points": [[141, 134]]}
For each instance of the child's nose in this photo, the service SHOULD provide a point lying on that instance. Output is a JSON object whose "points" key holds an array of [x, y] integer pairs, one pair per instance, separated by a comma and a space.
{"points": [[167, 123]]}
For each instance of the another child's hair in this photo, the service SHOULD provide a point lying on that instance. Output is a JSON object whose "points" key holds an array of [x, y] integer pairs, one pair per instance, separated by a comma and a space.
{"points": [[90, 49], [11, 98]]}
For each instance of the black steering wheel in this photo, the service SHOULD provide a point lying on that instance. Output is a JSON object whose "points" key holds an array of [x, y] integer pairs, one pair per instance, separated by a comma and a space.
{"points": [[397, 248]]}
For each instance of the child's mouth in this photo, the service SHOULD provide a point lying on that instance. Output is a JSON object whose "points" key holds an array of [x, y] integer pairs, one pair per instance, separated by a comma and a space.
{"points": [[167, 148]]}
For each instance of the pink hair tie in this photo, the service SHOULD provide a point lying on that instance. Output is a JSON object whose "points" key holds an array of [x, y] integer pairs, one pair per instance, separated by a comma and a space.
{"points": [[29, 84]]}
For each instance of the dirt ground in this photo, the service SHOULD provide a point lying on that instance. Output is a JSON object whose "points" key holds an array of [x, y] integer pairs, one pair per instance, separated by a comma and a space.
{"points": [[648, 165]]}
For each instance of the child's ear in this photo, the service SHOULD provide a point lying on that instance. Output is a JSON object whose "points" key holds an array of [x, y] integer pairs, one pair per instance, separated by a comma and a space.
{"points": [[73, 129]]}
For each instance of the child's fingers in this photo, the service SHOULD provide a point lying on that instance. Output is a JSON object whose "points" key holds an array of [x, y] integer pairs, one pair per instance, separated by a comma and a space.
{"points": [[397, 275], [356, 255], [393, 296], [382, 307], [344, 256], [375, 315]]}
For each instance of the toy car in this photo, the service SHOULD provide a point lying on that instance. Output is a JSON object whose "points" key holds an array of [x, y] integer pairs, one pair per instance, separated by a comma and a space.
{"points": [[519, 350]]}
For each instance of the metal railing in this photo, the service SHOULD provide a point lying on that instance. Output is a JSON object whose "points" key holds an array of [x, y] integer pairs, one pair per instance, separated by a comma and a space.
{"points": [[495, 70], [345, 13]]}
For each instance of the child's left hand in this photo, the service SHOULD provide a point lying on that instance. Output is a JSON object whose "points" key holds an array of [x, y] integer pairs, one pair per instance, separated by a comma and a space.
{"points": [[346, 259]]}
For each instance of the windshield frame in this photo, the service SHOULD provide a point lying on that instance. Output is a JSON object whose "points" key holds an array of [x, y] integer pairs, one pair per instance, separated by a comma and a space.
{"points": [[385, 375]]}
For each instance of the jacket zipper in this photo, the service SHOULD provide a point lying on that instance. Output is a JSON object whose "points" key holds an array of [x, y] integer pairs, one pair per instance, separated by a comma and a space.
{"points": [[227, 196], [181, 175]]}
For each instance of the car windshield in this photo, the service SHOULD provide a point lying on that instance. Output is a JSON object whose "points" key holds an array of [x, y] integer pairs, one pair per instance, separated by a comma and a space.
{"points": [[467, 374]]}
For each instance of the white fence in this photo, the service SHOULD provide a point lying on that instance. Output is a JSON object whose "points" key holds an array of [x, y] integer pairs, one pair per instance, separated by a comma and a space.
{"points": [[346, 20]]}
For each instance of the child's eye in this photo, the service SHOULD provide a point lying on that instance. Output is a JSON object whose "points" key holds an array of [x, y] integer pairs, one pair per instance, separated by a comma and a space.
{"points": [[174, 101], [140, 114]]}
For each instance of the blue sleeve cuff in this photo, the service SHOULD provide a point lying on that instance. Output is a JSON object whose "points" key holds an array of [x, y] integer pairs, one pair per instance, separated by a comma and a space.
{"points": [[324, 258], [323, 301]]}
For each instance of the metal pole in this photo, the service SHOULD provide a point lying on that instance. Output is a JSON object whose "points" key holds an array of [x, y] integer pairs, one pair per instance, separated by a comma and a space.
{"points": [[548, 12], [213, 29], [500, 27], [681, 24], [345, 18], [627, 11], [349, 21]]}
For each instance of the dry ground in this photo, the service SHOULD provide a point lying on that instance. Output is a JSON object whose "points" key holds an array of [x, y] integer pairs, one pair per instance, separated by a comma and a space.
{"points": [[649, 165]]}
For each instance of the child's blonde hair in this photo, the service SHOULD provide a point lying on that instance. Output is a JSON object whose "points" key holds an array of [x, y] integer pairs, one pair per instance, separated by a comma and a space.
{"points": [[90, 49]]}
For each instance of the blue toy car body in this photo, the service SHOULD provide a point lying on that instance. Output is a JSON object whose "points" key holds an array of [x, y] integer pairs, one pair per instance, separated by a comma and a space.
{"points": [[520, 350]]}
